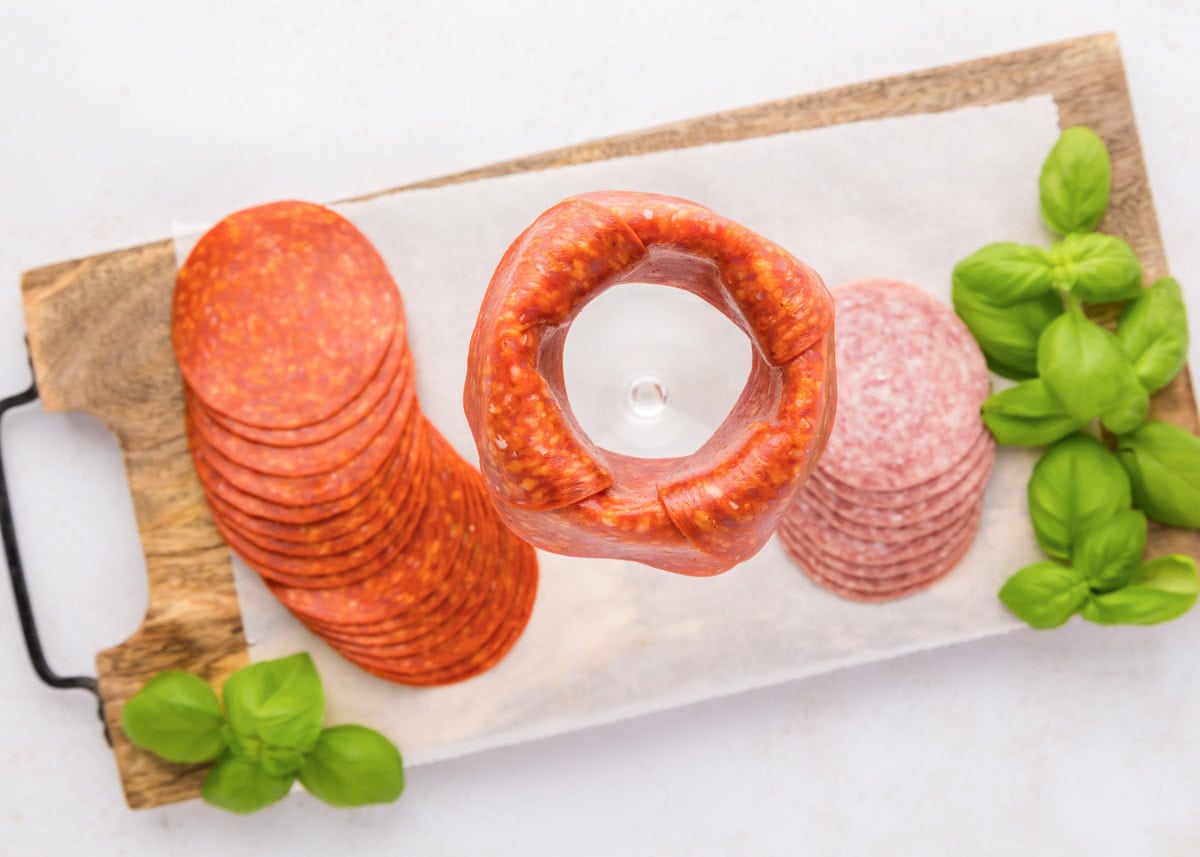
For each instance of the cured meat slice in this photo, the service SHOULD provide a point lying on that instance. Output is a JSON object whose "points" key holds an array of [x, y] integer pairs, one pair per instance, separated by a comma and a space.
{"points": [[835, 542], [698, 515], [326, 487], [297, 512], [899, 529], [866, 559], [334, 453], [396, 362], [282, 315], [978, 459], [403, 492], [912, 381]]}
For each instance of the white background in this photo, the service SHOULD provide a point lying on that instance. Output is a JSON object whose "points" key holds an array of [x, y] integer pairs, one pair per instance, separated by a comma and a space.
{"points": [[118, 118]]}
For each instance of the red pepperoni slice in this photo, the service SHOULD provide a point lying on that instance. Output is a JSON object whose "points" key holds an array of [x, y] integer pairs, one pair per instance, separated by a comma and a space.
{"points": [[293, 462], [396, 362], [282, 315]]}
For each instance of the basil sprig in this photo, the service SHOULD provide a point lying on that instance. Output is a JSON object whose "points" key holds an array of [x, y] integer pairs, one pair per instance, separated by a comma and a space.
{"points": [[1026, 306], [267, 735]]}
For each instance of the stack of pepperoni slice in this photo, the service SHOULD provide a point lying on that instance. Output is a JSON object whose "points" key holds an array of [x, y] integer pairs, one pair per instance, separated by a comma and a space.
{"points": [[895, 501], [320, 470]]}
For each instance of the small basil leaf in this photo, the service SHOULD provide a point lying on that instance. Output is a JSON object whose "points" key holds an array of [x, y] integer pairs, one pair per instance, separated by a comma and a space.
{"points": [[1045, 594], [1107, 554], [1097, 268], [241, 786], [1084, 367], [1075, 181], [1008, 335], [353, 766], [1076, 484], [1026, 415], [1163, 463], [175, 715], [1161, 590], [279, 702], [1129, 415], [1153, 330], [1007, 273]]}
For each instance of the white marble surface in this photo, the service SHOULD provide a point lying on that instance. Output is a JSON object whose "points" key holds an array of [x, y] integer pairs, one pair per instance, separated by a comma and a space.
{"points": [[116, 120]]}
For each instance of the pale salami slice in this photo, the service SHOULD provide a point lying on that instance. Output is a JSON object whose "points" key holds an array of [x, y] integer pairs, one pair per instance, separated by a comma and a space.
{"points": [[911, 381], [979, 458], [901, 517], [810, 514], [875, 558], [874, 565]]}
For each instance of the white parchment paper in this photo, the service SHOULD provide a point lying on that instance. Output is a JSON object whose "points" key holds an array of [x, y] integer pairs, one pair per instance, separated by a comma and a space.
{"points": [[902, 198]]}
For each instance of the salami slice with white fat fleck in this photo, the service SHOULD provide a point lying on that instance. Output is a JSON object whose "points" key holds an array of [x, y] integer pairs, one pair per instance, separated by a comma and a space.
{"points": [[911, 381]]}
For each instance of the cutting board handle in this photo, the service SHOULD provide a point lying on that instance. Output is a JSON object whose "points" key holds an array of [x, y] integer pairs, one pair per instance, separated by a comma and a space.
{"points": [[16, 575]]}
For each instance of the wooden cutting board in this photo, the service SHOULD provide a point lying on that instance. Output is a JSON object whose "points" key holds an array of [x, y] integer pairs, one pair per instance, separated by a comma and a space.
{"points": [[98, 331]]}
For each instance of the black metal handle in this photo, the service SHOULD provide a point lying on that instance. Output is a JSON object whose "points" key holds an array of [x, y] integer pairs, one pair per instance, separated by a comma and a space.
{"points": [[16, 574]]}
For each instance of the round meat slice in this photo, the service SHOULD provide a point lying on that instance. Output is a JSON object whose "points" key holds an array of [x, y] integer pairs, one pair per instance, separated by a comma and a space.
{"points": [[809, 513], [911, 381], [902, 580], [297, 461], [979, 458], [346, 480], [902, 516], [396, 362], [868, 567], [282, 315]]}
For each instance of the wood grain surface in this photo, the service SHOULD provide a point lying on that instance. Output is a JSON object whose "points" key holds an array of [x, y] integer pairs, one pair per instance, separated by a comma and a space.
{"points": [[99, 339]]}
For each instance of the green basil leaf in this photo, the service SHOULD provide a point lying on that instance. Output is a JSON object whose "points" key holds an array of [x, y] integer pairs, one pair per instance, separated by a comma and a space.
{"points": [[1129, 415], [1108, 553], [1153, 330], [1163, 589], [175, 715], [1007, 273], [1075, 182], [1026, 415], [1097, 268], [1076, 484], [353, 766], [279, 702], [1163, 463], [1084, 367], [241, 786], [1045, 594], [1008, 335]]}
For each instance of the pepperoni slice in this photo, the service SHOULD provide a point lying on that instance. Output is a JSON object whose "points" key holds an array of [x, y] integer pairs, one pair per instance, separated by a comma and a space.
{"points": [[315, 459], [282, 315], [397, 361]]}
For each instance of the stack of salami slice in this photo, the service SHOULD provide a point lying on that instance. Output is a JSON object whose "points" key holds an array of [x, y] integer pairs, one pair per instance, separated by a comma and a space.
{"points": [[317, 464], [896, 498]]}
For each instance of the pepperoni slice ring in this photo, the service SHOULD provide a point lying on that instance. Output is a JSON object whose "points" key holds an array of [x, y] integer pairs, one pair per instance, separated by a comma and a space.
{"points": [[696, 515]]}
